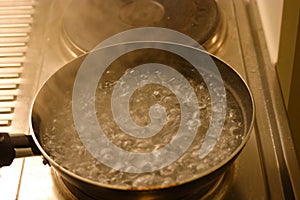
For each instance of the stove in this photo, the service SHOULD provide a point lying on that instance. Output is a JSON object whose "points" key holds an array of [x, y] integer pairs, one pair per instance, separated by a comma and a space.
{"points": [[38, 37]]}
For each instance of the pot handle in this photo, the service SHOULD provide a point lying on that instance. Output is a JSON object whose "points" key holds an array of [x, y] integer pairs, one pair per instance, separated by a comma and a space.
{"points": [[16, 146]]}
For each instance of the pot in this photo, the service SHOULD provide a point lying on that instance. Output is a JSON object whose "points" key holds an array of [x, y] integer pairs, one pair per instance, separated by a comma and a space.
{"points": [[59, 88]]}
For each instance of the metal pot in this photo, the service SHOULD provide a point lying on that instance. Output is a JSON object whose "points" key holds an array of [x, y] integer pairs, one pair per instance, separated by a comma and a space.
{"points": [[53, 93]]}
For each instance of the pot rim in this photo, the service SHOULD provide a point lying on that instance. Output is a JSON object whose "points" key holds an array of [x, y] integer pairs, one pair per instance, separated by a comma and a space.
{"points": [[149, 188]]}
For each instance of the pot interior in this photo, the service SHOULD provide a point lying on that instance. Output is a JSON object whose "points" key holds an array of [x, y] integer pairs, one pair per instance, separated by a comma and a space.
{"points": [[58, 136]]}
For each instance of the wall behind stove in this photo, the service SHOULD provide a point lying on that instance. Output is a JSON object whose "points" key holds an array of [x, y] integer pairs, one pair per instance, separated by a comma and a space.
{"points": [[271, 16], [288, 65]]}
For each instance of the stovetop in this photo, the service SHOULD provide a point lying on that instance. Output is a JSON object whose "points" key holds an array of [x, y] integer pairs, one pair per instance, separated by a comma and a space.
{"points": [[32, 49]]}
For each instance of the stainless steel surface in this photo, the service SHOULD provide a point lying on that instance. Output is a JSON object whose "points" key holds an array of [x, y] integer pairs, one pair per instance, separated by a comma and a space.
{"points": [[267, 167], [205, 22], [277, 143], [19, 69]]}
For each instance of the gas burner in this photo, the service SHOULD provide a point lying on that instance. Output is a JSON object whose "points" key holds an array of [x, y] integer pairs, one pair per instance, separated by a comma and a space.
{"points": [[87, 23], [218, 191]]}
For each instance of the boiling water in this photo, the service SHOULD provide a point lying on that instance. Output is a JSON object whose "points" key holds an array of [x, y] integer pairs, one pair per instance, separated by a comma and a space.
{"points": [[61, 141]]}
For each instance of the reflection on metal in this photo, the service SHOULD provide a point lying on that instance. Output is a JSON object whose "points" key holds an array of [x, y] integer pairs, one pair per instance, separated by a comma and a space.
{"points": [[14, 35], [36, 181], [266, 167], [9, 180], [277, 147], [215, 42], [16, 18], [205, 23]]}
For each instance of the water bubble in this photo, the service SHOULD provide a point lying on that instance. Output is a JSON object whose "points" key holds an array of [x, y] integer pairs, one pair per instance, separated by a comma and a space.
{"points": [[145, 180], [157, 111]]}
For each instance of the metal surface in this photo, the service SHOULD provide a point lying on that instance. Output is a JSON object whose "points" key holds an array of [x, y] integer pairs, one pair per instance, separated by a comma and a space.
{"points": [[277, 147], [267, 167], [200, 20], [19, 69]]}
